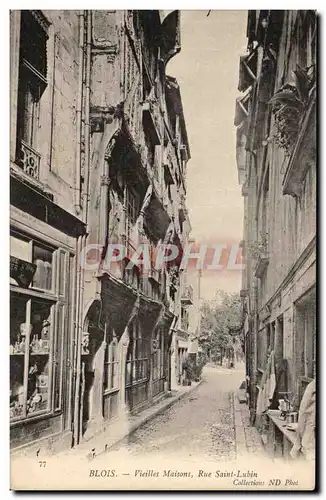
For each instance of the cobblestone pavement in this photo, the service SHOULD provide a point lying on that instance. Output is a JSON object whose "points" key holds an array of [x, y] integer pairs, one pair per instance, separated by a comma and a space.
{"points": [[201, 424]]}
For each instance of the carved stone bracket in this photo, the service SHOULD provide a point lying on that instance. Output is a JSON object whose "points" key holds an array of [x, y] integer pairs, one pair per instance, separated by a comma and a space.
{"points": [[101, 115], [105, 180], [85, 342]]}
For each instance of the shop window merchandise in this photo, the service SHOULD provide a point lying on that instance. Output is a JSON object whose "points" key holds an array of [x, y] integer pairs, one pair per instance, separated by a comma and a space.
{"points": [[37, 325]]}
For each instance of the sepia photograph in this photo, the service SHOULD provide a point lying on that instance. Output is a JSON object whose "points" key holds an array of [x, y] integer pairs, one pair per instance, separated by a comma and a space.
{"points": [[163, 250]]}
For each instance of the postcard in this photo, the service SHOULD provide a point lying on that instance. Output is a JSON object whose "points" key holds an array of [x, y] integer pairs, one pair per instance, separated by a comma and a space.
{"points": [[163, 250]]}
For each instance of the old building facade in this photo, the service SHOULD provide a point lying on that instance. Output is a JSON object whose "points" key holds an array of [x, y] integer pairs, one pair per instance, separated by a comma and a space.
{"points": [[98, 164], [185, 339], [276, 159]]}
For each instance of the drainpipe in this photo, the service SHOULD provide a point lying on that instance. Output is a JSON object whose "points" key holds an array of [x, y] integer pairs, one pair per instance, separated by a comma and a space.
{"points": [[80, 333], [76, 342], [88, 15], [72, 353], [77, 187], [82, 239]]}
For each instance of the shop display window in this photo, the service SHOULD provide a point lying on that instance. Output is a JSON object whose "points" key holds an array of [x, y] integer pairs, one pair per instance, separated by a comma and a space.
{"points": [[43, 259], [31, 323], [38, 319], [41, 256]]}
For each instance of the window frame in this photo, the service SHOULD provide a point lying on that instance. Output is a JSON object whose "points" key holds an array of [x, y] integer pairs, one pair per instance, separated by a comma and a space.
{"points": [[31, 80], [58, 300], [137, 356], [28, 358], [158, 356], [111, 361], [305, 307], [55, 278]]}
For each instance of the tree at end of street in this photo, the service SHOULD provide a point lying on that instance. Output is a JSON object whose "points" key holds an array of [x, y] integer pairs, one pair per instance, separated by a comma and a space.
{"points": [[221, 333]]}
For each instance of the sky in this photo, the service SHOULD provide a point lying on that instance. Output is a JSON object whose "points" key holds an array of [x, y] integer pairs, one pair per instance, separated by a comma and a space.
{"points": [[207, 69]]}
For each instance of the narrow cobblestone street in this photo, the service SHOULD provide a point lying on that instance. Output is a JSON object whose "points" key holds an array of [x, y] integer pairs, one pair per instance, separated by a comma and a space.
{"points": [[201, 424]]}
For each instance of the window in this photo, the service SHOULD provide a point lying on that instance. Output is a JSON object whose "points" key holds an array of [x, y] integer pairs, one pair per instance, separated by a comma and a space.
{"points": [[138, 355], [31, 355], [32, 82], [38, 317], [272, 336], [158, 355], [184, 319], [131, 276], [309, 350], [158, 363], [305, 337], [155, 290], [263, 339], [40, 255], [111, 362]]}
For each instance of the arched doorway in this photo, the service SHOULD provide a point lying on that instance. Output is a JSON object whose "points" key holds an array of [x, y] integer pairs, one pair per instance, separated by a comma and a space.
{"points": [[93, 349]]}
